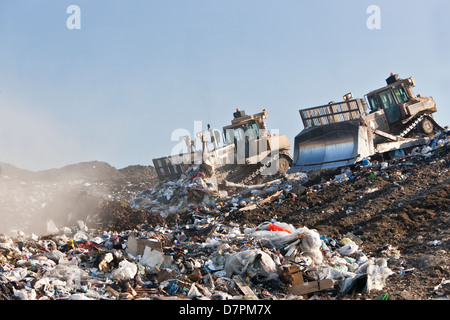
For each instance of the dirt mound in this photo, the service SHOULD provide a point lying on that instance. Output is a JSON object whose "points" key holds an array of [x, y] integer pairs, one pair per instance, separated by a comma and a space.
{"points": [[89, 171], [11, 171], [93, 170], [138, 172], [116, 216]]}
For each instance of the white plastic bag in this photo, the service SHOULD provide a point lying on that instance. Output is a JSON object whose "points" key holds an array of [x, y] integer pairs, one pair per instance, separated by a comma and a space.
{"points": [[311, 244], [25, 294], [126, 271], [71, 274], [377, 271], [240, 262], [349, 249]]}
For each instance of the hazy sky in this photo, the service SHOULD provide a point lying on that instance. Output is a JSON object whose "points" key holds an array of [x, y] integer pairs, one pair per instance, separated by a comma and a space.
{"points": [[115, 89]]}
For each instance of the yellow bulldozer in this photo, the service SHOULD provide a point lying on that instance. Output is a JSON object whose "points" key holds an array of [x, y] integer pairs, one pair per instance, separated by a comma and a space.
{"points": [[248, 150], [343, 133]]}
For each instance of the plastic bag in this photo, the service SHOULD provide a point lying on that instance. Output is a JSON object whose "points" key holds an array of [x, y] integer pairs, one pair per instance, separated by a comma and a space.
{"points": [[250, 261], [377, 272], [349, 249], [126, 271], [311, 244], [25, 294], [71, 274]]}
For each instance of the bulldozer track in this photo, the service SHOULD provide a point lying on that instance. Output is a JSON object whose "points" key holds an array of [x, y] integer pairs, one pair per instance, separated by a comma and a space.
{"points": [[260, 169], [412, 126], [415, 122]]}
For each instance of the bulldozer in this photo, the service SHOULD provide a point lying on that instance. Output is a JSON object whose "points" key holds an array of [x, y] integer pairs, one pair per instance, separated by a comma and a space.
{"points": [[248, 151], [340, 134]]}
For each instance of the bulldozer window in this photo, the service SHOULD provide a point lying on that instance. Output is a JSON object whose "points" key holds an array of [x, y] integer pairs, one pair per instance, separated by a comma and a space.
{"points": [[393, 113], [374, 103], [400, 93], [234, 135], [252, 131], [249, 131]]}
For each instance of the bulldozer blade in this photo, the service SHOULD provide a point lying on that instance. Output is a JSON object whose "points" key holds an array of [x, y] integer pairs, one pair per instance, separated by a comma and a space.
{"points": [[331, 146]]}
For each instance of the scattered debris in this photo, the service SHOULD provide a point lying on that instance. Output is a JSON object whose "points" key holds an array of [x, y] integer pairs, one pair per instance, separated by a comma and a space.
{"points": [[296, 237]]}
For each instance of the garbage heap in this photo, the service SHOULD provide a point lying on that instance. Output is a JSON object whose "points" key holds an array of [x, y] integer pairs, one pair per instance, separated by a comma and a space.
{"points": [[202, 260], [204, 255], [196, 187]]}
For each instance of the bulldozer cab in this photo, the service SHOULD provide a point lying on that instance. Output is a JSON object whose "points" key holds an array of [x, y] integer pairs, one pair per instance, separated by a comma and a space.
{"points": [[386, 100], [244, 137], [247, 133], [392, 98]]}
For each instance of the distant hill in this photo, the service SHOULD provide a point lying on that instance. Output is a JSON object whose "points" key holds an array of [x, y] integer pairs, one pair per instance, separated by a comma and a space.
{"points": [[90, 171], [11, 171]]}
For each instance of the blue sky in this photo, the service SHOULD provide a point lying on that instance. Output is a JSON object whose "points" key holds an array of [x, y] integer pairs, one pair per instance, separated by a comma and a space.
{"points": [[117, 88]]}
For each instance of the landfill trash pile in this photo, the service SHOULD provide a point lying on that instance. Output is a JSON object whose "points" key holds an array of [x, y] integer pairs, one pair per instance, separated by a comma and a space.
{"points": [[195, 187], [204, 260], [376, 230]]}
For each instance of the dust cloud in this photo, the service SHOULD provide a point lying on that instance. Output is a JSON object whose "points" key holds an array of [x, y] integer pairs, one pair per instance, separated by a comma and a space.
{"points": [[33, 139], [42, 202]]}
